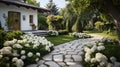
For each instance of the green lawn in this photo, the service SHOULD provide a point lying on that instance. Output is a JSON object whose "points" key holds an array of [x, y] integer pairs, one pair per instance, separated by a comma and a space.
{"points": [[111, 35], [56, 40]]}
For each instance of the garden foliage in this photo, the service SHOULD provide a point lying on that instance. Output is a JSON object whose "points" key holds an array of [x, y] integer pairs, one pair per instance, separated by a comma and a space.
{"points": [[21, 52], [42, 23], [9, 36], [101, 54], [54, 22], [80, 35], [53, 33]]}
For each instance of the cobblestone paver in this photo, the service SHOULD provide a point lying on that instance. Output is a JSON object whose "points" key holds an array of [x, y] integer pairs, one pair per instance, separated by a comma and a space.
{"points": [[65, 55]]}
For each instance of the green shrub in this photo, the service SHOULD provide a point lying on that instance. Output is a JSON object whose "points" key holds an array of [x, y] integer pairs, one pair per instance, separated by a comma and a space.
{"points": [[18, 34], [42, 23], [54, 22], [30, 49], [2, 38], [111, 47], [14, 35], [63, 32], [106, 47], [9, 36], [80, 35], [53, 33]]}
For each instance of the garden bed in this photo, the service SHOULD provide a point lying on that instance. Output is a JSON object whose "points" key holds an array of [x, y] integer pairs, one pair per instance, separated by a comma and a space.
{"points": [[23, 50]]}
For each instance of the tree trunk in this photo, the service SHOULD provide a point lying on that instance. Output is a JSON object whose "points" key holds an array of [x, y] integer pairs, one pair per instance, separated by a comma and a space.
{"points": [[114, 12]]}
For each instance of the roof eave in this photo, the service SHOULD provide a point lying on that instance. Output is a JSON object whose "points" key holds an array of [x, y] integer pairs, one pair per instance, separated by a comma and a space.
{"points": [[26, 5]]}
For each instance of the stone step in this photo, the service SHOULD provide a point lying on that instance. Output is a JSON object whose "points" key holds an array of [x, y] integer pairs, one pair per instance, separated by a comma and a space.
{"points": [[38, 32]]}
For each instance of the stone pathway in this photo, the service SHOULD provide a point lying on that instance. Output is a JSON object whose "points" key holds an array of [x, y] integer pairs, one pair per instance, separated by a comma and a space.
{"points": [[65, 55]]}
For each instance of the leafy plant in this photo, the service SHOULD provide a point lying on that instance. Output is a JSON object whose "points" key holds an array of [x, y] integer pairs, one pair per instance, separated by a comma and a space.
{"points": [[27, 50], [9, 36], [42, 23], [54, 22]]}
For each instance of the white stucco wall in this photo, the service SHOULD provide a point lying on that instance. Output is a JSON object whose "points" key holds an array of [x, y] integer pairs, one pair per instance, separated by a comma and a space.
{"points": [[23, 11]]}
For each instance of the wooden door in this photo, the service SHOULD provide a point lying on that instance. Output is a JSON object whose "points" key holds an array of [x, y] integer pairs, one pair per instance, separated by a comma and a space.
{"points": [[13, 20]]}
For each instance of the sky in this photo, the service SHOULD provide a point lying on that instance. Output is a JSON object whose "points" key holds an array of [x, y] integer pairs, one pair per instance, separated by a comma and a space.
{"points": [[59, 3]]}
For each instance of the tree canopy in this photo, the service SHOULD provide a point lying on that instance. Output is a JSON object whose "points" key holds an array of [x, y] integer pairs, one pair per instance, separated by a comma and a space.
{"points": [[52, 7], [108, 7], [33, 2]]}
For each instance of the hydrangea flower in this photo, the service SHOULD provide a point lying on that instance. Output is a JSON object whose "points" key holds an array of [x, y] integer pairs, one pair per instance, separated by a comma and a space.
{"points": [[17, 46], [19, 63], [99, 48], [100, 57], [27, 45], [103, 63], [6, 50], [80, 35], [20, 41], [93, 49], [38, 54], [37, 59], [14, 59], [23, 57], [86, 49], [100, 43], [53, 33], [87, 59], [47, 48], [113, 59], [22, 52], [30, 54], [17, 49], [93, 60], [15, 53]]}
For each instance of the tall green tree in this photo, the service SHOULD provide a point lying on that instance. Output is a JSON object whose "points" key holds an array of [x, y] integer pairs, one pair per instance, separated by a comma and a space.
{"points": [[52, 7], [111, 7], [77, 17], [69, 17]]}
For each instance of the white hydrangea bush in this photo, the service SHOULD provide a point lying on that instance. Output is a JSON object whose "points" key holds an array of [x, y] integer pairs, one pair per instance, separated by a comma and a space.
{"points": [[53, 33], [95, 58], [80, 35], [19, 53]]}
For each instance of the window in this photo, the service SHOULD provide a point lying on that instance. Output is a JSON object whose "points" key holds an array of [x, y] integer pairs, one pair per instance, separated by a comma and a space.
{"points": [[31, 18], [24, 17]]}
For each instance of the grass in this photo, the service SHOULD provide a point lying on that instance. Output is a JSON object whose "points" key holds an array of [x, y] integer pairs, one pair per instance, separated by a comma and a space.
{"points": [[111, 35], [56, 40]]}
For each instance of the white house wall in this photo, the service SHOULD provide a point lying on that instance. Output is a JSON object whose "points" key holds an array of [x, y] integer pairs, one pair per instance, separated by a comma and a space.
{"points": [[4, 9]]}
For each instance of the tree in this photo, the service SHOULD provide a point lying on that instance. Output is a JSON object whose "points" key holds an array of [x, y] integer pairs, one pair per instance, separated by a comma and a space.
{"points": [[111, 7], [52, 7], [77, 18], [33, 2], [69, 17], [54, 22]]}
